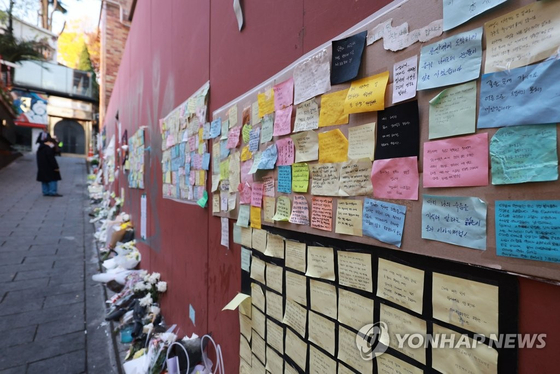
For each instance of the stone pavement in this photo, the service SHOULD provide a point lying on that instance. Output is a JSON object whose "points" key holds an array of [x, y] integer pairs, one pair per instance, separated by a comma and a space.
{"points": [[51, 312]]}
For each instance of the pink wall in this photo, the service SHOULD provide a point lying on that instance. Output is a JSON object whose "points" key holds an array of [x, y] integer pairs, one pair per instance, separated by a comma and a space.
{"points": [[173, 48]]}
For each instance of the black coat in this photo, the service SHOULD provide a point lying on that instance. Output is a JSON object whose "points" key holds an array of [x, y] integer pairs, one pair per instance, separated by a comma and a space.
{"points": [[47, 167]]}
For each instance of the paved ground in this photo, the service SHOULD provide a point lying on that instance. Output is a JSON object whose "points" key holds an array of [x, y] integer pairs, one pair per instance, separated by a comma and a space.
{"points": [[51, 312]]}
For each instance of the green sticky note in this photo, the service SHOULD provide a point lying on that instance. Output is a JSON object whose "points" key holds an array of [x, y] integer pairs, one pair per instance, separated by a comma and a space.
{"points": [[203, 200]]}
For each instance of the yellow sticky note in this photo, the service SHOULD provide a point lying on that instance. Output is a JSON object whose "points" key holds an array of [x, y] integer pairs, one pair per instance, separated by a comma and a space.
{"points": [[367, 94], [269, 205], [200, 134], [246, 131], [300, 177], [246, 154], [283, 209], [167, 177], [332, 109], [333, 147], [201, 178], [224, 169], [349, 217], [232, 116], [255, 217], [266, 102]]}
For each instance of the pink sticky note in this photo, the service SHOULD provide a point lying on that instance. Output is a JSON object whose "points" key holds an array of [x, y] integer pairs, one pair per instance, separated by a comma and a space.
{"points": [[395, 178], [456, 162], [283, 121], [233, 137], [245, 168], [256, 195], [268, 186], [245, 193], [286, 152], [193, 146], [283, 94]]}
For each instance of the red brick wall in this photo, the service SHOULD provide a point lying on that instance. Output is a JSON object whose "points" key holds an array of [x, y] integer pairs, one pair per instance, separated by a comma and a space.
{"points": [[114, 34]]}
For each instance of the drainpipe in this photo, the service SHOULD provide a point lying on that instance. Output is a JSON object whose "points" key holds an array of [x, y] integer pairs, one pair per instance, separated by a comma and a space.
{"points": [[121, 11]]}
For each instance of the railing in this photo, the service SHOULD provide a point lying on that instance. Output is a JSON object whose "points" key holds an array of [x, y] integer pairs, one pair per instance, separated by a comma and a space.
{"points": [[52, 77]]}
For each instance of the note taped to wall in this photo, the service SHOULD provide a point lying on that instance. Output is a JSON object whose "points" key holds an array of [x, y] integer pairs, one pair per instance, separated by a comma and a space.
{"points": [[306, 146], [361, 141], [395, 178], [528, 230], [332, 109], [469, 357], [349, 217], [283, 209], [354, 270], [504, 96], [453, 111], [453, 60], [384, 221], [320, 262], [405, 79], [296, 254], [266, 102], [333, 147], [400, 284], [325, 179], [367, 94], [522, 154], [300, 211], [323, 298], [456, 13], [456, 162], [322, 213], [307, 116], [507, 37], [454, 219], [312, 77], [465, 303], [402, 323]]}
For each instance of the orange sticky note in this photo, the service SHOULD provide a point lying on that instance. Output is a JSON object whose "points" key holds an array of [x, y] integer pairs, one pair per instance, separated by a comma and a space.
{"points": [[367, 94], [333, 147]]}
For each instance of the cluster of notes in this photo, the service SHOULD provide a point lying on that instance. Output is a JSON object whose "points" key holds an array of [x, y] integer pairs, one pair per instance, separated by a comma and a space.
{"points": [[135, 162], [308, 302], [185, 159], [296, 154]]}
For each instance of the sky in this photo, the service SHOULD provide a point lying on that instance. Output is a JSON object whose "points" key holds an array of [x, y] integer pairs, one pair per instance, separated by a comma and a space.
{"points": [[88, 10]]}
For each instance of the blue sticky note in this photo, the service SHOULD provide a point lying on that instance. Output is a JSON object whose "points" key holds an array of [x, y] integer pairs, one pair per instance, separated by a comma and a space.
{"points": [[215, 128], [254, 137], [192, 314], [206, 161], [383, 221], [456, 13], [206, 131], [506, 96], [224, 150], [457, 220], [268, 158], [528, 230], [522, 154], [456, 59], [285, 179]]}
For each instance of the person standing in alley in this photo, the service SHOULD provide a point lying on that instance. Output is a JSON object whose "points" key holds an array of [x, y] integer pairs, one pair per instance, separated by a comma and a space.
{"points": [[48, 172]]}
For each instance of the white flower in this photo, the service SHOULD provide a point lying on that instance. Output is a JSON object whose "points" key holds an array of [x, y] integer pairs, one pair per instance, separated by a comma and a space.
{"points": [[143, 273], [146, 300], [161, 286], [140, 286], [154, 278]]}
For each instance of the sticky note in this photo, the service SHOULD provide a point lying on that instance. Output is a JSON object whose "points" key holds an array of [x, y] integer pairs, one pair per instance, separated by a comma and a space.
{"points": [[332, 109], [312, 77], [283, 121], [306, 146], [453, 60], [255, 217], [285, 179], [283, 94], [349, 217], [453, 111], [454, 219], [398, 131], [361, 141], [266, 102], [321, 213], [333, 147], [367, 94], [404, 79], [307, 116], [384, 221], [395, 178], [300, 211], [300, 178], [522, 154], [286, 152], [347, 57], [456, 162], [283, 209]]}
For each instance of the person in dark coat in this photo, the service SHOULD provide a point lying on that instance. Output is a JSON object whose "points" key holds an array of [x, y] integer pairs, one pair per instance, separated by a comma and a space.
{"points": [[48, 172]]}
